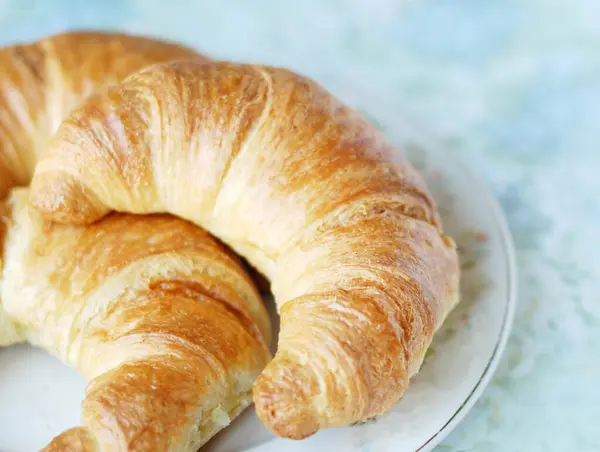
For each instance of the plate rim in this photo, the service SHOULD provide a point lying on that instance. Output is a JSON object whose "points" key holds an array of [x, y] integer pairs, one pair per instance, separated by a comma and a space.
{"points": [[508, 249]]}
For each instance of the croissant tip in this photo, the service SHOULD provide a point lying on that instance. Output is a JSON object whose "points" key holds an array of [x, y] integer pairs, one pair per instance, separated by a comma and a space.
{"points": [[280, 407], [62, 199]]}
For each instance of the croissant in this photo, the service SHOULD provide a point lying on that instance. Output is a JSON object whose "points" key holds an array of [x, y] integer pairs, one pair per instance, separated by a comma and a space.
{"points": [[41, 82], [302, 187], [160, 318]]}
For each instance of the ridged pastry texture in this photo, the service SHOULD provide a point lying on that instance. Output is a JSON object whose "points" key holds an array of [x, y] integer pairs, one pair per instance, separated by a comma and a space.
{"points": [[42, 81], [160, 318], [301, 186]]}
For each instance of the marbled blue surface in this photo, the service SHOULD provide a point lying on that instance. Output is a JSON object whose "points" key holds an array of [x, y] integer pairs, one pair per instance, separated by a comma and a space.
{"points": [[512, 86]]}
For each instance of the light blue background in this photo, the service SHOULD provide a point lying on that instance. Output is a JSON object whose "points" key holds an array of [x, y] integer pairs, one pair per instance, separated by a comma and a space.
{"points": [[513, 86]]}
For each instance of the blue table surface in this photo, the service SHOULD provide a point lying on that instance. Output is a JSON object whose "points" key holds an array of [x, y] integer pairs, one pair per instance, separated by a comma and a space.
{"points": [[513, 87]]}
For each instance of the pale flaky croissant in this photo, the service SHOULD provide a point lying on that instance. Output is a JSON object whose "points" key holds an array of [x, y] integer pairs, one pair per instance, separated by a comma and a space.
{"points": [[306, 190], [162, 320], [41, 82]]}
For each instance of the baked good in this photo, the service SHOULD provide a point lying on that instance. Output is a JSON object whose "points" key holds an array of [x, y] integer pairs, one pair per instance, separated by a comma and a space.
{"points": [[161, 319], [42, 81], [300, 185]]}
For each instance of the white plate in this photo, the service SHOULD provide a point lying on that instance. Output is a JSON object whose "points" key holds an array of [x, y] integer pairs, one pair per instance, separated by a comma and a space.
{"points": [[40, 397]]}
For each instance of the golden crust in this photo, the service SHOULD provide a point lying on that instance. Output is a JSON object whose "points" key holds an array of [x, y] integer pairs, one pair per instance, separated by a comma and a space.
{"points": [[160, 318], [43, 81], [76, 439], [302, 187]]}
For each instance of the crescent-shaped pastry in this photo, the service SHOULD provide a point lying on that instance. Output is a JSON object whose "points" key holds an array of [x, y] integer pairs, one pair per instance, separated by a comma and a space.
{"points": [[300, 185], [161, 319]]}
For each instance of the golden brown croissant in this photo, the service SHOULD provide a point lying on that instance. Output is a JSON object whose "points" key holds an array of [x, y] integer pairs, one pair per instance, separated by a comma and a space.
{"points": [[301, 186], [162, 320], [41, 82]]}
